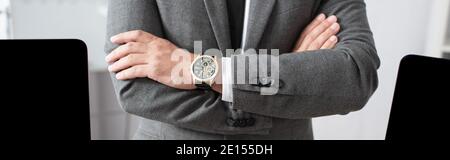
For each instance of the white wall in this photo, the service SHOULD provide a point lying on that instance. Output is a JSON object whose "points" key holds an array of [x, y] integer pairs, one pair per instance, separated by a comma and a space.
{"points": [[4, 4], [80, 19], [399, 28]]}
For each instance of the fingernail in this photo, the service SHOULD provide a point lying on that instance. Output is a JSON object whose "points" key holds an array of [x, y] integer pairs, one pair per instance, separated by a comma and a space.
{"points": [[107, 58], [332, 19], [321, 17], [333, 38], [113, 39], [335, 26]]}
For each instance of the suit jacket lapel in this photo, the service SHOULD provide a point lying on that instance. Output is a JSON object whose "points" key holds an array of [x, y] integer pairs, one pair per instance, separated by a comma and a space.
{"points": [[218, 16], [260, 11]]}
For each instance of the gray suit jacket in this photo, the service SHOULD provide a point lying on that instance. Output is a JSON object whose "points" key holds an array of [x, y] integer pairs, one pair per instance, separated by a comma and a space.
{"points": [[315, 83]]}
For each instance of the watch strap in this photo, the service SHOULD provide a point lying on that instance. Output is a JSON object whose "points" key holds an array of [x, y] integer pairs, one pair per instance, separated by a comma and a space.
{"points": [[201, 85]]}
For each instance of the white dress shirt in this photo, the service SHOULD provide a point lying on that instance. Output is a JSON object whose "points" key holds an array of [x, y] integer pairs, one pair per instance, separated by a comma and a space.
{"points": [[227, 73]]}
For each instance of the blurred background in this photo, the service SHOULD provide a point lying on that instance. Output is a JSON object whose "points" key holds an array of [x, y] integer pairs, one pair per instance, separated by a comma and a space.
{"points": [[400, 27]]}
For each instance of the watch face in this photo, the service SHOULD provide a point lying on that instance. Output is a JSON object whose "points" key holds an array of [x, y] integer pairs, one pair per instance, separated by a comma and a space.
{"points": [[204, 67]]}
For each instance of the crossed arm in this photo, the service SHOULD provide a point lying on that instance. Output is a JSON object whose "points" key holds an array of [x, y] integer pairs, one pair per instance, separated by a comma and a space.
{"points": [[144, 55]]}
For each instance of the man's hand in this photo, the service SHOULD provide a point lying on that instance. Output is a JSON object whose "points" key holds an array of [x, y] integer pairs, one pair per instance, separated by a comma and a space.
{"points": [[319, 34], [142, 54]]}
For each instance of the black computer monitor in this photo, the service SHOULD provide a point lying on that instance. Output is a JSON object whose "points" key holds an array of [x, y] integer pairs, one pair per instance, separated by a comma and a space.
{"points": [[45, 89], [421, 100]]}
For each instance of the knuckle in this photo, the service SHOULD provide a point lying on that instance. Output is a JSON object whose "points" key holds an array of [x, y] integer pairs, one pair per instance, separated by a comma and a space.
{"points": [[323, 38], [157, 43], [324, 24], [315, 44], [131, 57], [330, 31], [137, 33], [320, 41], [135, 71], [131, 44], [153, 45], [128, 59], [158, 46], [153, 38], [127, 47], [315, 33], [308, 38]]}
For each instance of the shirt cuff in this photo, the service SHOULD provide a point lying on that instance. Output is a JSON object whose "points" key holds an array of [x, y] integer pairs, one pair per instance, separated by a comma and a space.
{"points": [[227, 85]]}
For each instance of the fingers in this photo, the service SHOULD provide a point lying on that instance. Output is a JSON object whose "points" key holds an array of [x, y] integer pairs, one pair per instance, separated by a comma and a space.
{"points": [[124, 50], [318, 20], [128, 61], [321, 17], [330, 43], [318, 30], [132, 36], [324, 36], [138, 71]]}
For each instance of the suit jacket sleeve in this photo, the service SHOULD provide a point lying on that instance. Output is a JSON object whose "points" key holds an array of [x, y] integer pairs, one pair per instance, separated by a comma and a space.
{"points": [[321, 82], [194, 109]]}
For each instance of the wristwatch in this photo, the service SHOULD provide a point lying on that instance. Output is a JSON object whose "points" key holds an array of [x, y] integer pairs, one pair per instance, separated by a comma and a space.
{"points": [[204, 70]]}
